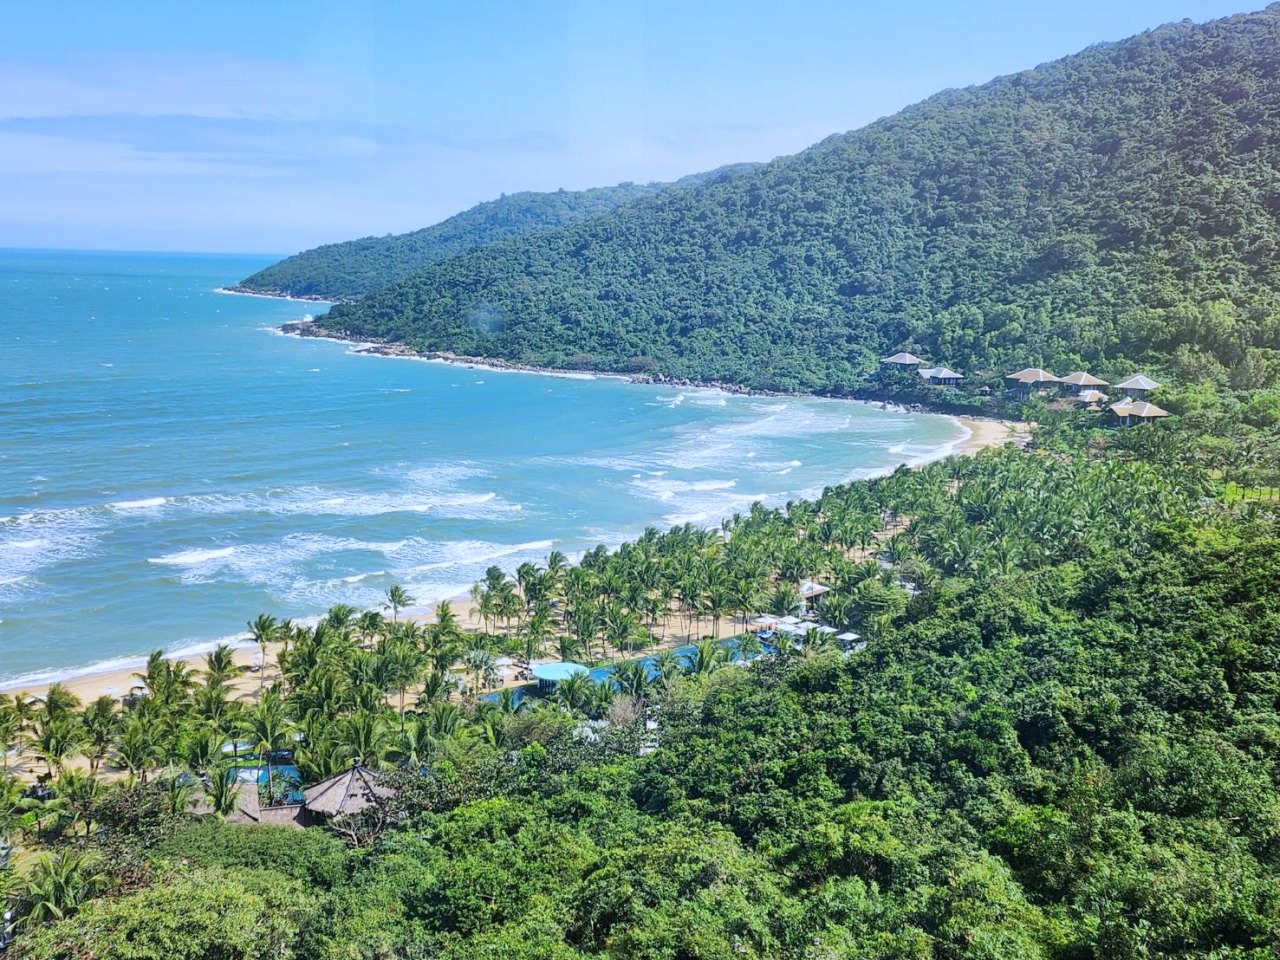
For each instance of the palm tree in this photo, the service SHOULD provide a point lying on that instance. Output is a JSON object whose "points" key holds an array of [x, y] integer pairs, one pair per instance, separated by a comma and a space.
{"points": [[59, 702], [100, 724], [263, 631], [222, 789], [632, 679], [748, 647], [81, 791], [574, 692], [10, 728], [479, 663], [135, 748], [397, 599], [267, 728], [202, 748], [363, 736], [706, 657], [56, 738], [60, 883], [220, 666]]}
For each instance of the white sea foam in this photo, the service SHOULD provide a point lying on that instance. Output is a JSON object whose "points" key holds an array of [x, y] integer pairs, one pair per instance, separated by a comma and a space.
{"points": [[145, 504], [192, 558]]}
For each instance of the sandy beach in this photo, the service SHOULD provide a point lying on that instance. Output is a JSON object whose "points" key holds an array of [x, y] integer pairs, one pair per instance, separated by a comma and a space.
{"points": [[984, 433]]}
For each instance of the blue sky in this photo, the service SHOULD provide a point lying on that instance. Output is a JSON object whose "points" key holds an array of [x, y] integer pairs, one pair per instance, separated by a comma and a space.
{"points": [[271, 127]]}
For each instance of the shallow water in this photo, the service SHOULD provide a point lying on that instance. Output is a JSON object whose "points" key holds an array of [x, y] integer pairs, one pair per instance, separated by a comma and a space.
{"points": [[170, 467]]}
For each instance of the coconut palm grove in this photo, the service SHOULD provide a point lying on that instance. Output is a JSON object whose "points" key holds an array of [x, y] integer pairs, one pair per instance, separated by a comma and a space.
{"points": [[1020, 704]]}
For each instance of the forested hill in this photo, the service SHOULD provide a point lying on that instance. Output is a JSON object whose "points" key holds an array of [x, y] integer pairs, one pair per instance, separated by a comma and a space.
{"points": [[340, 271], [1123, 200]]}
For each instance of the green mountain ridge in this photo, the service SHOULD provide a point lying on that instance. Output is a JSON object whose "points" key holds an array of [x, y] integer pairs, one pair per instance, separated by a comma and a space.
{"points": [[341, 271], [1120, 202]]}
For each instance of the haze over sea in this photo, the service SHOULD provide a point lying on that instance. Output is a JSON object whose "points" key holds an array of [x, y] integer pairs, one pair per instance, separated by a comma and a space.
{"points": [[169, 468]]}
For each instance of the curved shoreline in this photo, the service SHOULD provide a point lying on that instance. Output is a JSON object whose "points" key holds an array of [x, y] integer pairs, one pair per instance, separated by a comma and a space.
{"points": [[115, 675]]}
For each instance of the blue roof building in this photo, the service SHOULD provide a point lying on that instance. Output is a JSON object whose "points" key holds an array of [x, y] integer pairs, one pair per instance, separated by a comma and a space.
{"points": [[549, 675]]}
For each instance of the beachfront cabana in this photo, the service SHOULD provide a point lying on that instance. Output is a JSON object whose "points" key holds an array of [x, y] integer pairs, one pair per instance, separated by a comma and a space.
{"points": [[1029, 379], [901, 361], [1131, 412], [550, 675], [808, 589], [345, 793], [1080, 381], [940, 377], [1137, 386], [1089, 397]]}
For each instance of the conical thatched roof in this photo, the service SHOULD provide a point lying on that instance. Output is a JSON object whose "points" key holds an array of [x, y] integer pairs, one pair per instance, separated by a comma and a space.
{"points": [[348, 792]]}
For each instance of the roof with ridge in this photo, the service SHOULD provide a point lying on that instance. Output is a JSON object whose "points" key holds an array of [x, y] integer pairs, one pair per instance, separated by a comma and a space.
{"points": [[1139, 381], [1082, 379], [350, 791], [1033, 375], [903, 358]]}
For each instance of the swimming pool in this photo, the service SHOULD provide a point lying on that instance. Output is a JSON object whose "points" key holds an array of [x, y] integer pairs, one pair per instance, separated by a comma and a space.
{"points": [[285, 780]]}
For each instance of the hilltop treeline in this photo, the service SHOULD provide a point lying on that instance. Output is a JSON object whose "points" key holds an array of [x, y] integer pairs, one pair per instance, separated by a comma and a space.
{"points": [[1121, 202], [342, 271]]}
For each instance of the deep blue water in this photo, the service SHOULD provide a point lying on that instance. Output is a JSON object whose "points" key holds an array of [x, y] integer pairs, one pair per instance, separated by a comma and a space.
{"points": [[169, 467]]}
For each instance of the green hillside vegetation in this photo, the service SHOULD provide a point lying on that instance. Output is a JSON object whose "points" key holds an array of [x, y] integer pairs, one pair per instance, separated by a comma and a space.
{"points": [[1060, 742], [1118, 205], [341, 271]]}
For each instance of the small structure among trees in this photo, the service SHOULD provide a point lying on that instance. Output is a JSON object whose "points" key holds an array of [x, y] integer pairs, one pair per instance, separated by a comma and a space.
{"points": [[1081, 381], [1029, 379], [1137, 386], [940, 377], [1131, 412], [351, 791], [901, 361]]}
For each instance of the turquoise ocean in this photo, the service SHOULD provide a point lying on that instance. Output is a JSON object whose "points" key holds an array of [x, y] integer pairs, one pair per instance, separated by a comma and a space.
{"points": [[171, 466]]}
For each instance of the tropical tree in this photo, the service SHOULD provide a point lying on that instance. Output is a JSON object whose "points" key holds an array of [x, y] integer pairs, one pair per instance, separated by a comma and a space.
{"points": [[222, 789], [59, 883], [267, 727], [80, 791], [264, 631], [100, 724], [397, 599]]}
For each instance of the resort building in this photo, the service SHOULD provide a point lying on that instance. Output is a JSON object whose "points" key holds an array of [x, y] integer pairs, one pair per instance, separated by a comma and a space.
{"points": [[940, 377], [1137, 386], [1131, 412], [810, 592], [1090, 397], [901, 360], [344, 793], [1028, 380], [1080, 381], [549, 675]]}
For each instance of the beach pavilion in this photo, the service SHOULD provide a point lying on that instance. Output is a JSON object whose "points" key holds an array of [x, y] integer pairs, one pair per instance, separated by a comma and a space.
{"points": [[550, 675], [1029, 379], [1131, 412], [1090, 397], [1137, 386]]}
